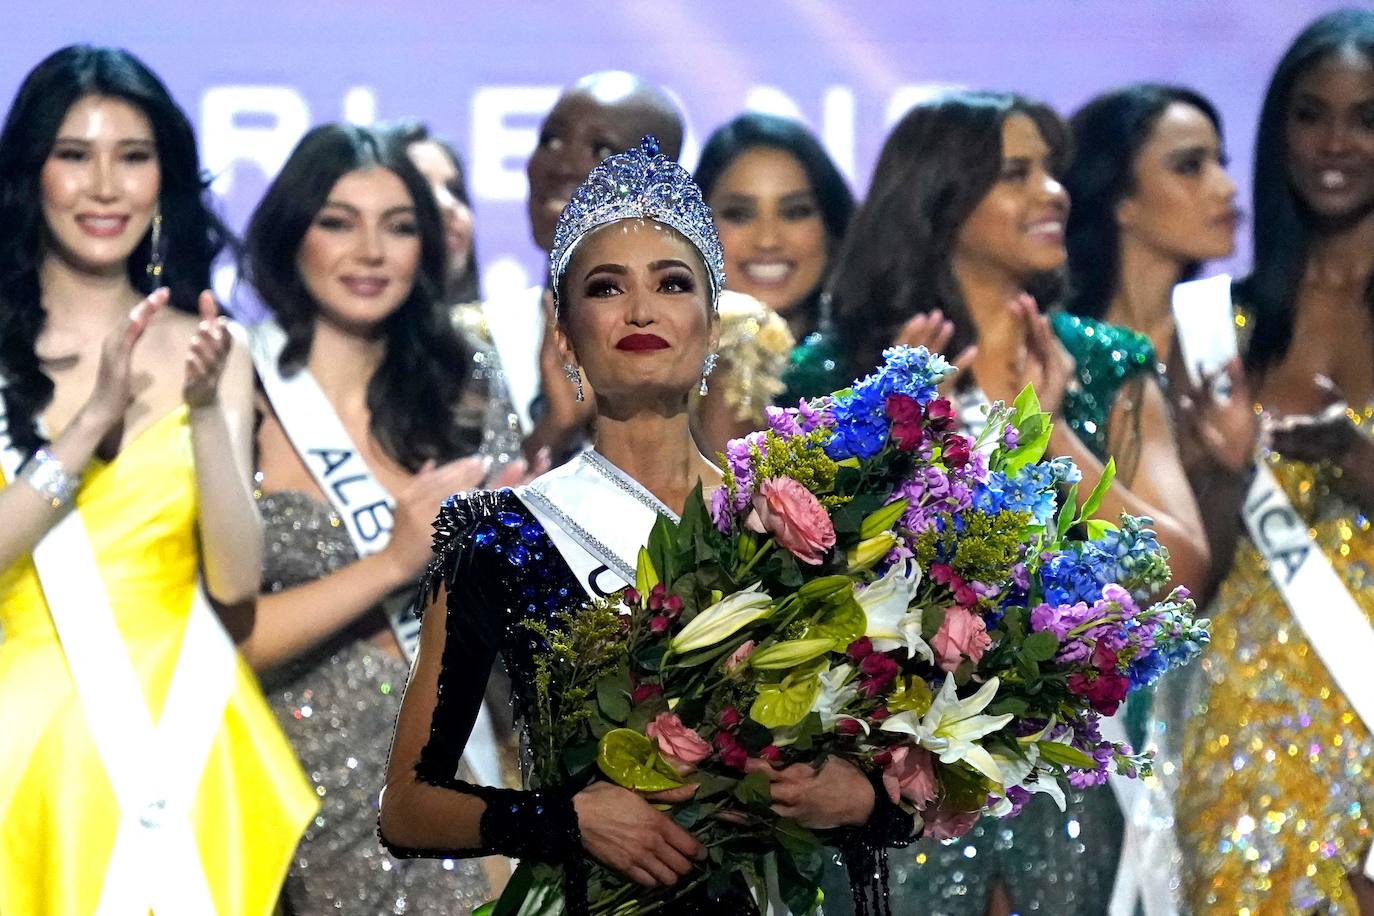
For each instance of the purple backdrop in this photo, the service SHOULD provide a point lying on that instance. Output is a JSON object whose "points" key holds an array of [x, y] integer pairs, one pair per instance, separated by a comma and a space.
{"points": [[255, 75]]}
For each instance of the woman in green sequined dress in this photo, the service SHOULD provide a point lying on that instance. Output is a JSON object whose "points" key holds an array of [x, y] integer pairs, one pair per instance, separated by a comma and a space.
{"points": [[965, 218], [782, 208]]}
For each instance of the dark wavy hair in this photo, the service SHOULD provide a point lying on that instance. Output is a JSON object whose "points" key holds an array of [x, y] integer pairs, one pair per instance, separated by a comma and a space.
{"points": [[938, 163], [1283, 226], [753, 130], [407, 133], [1108, 134], [192, 235], [415, 391]]}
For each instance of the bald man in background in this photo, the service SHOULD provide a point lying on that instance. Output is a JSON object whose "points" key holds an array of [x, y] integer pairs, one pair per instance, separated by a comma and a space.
{"points": [[598, 115]]}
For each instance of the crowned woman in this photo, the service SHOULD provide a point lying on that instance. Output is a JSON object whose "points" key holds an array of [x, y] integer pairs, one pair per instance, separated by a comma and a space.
{"points": [[637, 270]]}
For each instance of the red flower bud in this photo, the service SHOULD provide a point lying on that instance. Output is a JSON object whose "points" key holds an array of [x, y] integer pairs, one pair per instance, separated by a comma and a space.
{"points": [[955, 451], [658, 623], [860, 649], [883, 758], [729, 717], [645, 692], [631, 597], [772, 753], [879, 714], [849, 727], [940, 415], [673, 605], [879, 665], [735, 757]]}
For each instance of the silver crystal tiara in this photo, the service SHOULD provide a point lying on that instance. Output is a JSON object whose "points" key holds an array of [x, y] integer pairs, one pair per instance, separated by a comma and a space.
{"points": [[638, 184]]}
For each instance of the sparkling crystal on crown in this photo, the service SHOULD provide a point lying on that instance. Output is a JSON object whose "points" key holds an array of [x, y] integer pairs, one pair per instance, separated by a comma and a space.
{"points": [[638, 184]]}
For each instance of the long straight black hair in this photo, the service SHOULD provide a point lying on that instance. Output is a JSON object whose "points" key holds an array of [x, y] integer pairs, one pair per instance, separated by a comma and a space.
{"points": [[1108, 134], [415, 392], [1283, 227], [938, 163], [833, 198], [192, 235]]}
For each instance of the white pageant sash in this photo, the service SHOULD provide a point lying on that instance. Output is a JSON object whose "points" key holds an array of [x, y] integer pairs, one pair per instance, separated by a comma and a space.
{"points": [[358, 499], [154, 769], [597, 516], [1319, 600]]}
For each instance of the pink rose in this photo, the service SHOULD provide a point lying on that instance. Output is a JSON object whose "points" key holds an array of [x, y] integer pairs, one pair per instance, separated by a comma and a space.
{"points": [[943, 824], [681, 746], [792, 514], [962, 634], [911, 775], [738, 656]]}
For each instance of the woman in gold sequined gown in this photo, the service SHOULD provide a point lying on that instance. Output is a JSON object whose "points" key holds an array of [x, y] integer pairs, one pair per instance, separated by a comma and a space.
{"points": [[1276, 809]]}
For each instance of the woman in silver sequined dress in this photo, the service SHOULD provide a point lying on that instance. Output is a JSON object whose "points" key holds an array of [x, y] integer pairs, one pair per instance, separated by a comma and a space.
{"points": [[346, 250]]}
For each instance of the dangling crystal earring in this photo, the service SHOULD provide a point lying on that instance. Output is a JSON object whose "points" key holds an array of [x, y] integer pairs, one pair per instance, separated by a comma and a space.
{"points": [[706, 369], [154, 268], [574, 375]]}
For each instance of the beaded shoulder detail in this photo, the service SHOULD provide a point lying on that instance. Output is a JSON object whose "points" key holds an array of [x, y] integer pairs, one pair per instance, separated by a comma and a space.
{"points": [[458, 520]]}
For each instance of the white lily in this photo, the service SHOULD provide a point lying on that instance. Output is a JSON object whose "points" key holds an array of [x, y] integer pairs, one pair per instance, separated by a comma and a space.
{"points": [[892, 622], [836, 694], [951, 727], [723, 619], [1025, 771]]}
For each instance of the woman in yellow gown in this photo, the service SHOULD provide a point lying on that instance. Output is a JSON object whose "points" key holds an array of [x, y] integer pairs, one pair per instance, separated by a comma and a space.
{"points": [[99, 187], [1276, 801]]}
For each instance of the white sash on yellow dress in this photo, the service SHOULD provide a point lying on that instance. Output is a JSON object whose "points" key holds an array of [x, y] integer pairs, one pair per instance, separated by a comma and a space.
{"points": [[154, 768]]}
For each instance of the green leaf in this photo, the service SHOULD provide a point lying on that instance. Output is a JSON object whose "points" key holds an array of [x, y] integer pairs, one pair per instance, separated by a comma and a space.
{"points": [[661, 550], [632, 760], [844, 622], [1064, 755], [1026, 405], [1068, 511], [881, 520], [1040, 647], [754, 790], [788, 702], [578, 758], [1098, 528], [1095, 497], [613, 695], [1014, 705], [791, 653]]}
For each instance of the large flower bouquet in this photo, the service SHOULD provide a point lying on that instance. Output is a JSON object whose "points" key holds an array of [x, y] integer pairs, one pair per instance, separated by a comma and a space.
{"points": [[869, 582]]}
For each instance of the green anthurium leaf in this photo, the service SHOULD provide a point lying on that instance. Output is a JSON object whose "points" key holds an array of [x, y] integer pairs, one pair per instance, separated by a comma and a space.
{"points": [[790, 700], [842, 622], [632, 760]]}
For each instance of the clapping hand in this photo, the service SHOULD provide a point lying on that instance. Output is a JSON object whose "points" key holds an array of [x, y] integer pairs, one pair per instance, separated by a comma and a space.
{"points": [[206, 355], [114, 376], [934, 331], [1227, 428], [1044, 363]]}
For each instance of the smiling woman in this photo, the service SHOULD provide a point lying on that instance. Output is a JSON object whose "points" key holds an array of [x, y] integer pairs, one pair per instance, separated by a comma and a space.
{"points": [[124, 452], [372, 411]]}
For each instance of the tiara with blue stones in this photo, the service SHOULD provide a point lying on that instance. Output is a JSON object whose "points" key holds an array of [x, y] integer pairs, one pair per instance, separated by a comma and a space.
{"points": [[638, 184]]}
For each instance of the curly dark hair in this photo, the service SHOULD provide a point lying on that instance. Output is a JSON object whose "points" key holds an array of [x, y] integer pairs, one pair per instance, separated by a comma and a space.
{"points": [[938, 163], [416, 390], [192, 235], [1108, 134]]}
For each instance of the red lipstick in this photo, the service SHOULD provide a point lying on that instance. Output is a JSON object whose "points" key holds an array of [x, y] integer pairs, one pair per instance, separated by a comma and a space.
{"points": [[637, 343]]}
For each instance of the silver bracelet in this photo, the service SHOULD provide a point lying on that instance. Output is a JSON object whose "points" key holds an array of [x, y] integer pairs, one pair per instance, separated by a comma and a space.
{"points": [[45, 474]]}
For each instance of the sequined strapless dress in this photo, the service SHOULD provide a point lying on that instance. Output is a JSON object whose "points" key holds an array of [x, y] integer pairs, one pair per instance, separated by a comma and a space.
{"points": [[338, 706], [1276, 800]]}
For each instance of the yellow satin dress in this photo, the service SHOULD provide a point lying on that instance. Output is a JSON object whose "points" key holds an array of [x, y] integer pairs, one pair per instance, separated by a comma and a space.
{"points": [[58, 811], [1276, 796]]}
